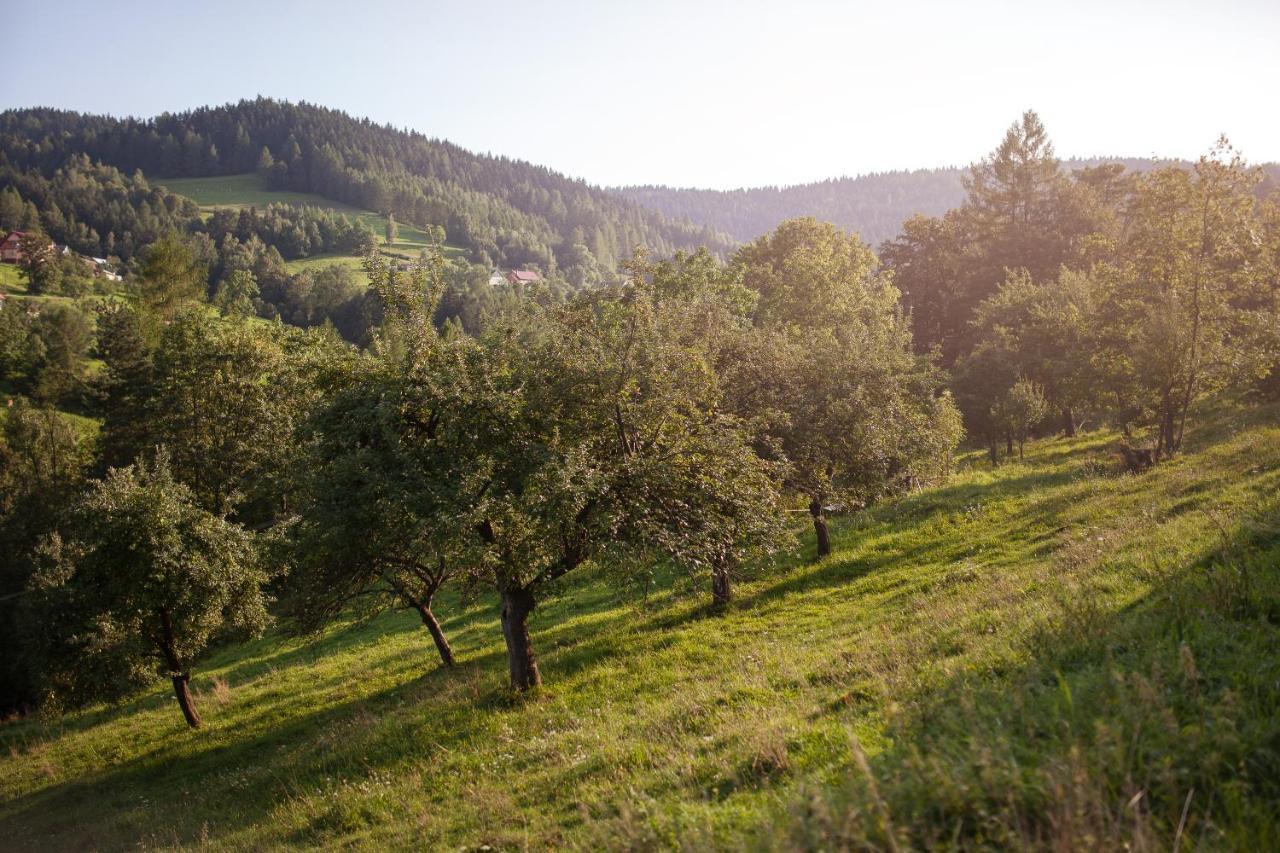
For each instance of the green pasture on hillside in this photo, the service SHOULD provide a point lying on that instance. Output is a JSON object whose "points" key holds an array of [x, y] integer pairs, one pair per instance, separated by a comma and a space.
{"points": [[1050, 650]]}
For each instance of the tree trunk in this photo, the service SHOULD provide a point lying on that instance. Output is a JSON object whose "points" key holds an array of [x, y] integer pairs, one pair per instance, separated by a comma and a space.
{"points": [[181, 678], [185, 702], [993, 452], [1008, 443], [1068, 423], [1022, 440], [1166, 448], [820, 527], [1193, 363], [721, 583], [517, 604], [437, 633]]}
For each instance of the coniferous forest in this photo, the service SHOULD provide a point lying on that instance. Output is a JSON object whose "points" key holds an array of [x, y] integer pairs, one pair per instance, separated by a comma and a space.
{"points": [[499, 210], [722, 528]]}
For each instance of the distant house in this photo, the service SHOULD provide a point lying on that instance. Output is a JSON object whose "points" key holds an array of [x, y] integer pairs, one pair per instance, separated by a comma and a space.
{"points": [[496, 278], [523, 277], [11, 248], [92, 263], [102, 268]]}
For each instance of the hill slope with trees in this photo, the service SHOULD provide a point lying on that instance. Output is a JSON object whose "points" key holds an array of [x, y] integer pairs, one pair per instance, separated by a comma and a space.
{"points": [[501, 210], [691, 556], [1068, 650]]}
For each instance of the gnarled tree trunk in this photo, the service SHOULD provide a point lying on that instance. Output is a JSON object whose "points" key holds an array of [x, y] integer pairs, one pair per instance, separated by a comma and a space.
{"points": [[721, 582], [517, 604], [820, 527], [188, 706], [437, 633], [167, 641]]}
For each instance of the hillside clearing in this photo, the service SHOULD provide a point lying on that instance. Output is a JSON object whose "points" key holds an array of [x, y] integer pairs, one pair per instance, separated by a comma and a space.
{"points": [[242, 191]]}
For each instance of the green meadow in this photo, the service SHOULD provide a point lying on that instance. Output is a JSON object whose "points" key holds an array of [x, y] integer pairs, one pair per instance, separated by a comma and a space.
{"points": [[11, 280], [239, 191], [1050, 653]]}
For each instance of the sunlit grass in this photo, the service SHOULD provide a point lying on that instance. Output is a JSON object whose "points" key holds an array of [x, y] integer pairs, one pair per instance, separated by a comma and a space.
{"points": [[242, 191], [947, 626]]}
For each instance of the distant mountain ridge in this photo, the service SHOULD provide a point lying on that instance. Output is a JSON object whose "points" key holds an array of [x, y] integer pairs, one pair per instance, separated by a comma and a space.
{"points": [[501, 210], [874, 205]]}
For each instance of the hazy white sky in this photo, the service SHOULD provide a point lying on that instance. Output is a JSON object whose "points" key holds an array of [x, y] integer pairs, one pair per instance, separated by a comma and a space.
{"points": [[699, 93]]}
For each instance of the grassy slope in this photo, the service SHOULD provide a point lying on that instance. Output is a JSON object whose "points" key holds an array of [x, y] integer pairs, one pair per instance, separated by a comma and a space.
{"points": [[237, 191], [11, 279], [1019, 653]]}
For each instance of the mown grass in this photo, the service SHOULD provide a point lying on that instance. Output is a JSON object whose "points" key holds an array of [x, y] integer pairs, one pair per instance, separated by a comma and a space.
{"points": [[236, 191], [240, 191], [11, 281], [1047, 654]]}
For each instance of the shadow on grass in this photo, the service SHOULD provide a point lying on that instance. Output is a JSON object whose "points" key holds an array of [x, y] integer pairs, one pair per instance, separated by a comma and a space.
{"points": [[573, 634], [1117, 715], [282, 727]]}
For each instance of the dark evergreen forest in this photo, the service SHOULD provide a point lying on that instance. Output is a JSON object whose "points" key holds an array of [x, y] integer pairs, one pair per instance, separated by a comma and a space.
{"points": [[500, 210]]}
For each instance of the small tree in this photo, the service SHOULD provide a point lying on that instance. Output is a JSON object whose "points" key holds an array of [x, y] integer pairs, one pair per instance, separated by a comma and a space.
{"points": [[392, 229], [603, 435], [171, 277], [143, 580], [237, 293], [1050, 333], [1191, 250], [828, 371], [379, 469], [63, 337], [39, 265], [366, 529], [266, 164], [1021, 408]]}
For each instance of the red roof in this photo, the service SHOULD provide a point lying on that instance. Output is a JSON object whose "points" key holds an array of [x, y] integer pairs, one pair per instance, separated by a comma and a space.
{"points": [[524, 275]]}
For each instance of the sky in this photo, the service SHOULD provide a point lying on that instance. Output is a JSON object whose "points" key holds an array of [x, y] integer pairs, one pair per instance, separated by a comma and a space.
{"points": [[698, 93]]}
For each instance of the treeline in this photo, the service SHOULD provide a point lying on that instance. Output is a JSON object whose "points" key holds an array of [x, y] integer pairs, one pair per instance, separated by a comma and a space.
{"points": [[874, 206], [503, 211], [249, 277], [1096, 295], [242, 274], [101, 212], [296, 231], [670, 420], [97, 210]]}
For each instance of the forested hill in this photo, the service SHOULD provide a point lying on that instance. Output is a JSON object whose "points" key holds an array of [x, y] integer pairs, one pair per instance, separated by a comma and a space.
{"points": [[874, 205], [501, 210]]}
